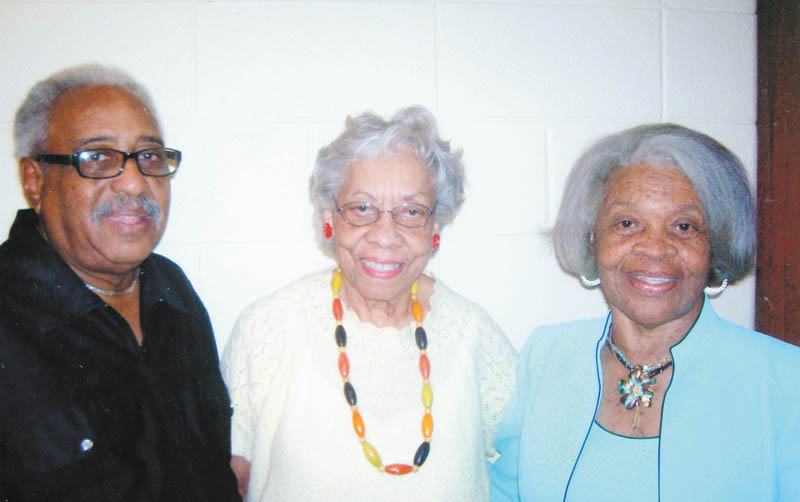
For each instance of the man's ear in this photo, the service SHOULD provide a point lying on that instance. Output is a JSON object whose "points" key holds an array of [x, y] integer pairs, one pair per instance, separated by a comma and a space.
{"points": [[31, 175]]}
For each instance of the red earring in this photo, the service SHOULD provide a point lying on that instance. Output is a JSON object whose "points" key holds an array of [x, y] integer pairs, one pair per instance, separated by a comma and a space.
{"points": [[327, 230], [436, 241]]}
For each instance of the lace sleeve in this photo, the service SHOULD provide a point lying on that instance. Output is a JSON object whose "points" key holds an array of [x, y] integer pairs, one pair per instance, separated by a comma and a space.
{"points": [[248, 362], [498, 365]]}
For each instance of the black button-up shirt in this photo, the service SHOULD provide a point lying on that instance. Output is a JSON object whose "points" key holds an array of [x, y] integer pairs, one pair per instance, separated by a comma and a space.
{"points": [[88, 414]]}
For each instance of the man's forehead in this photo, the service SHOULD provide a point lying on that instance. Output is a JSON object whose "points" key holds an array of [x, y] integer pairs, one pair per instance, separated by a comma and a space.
{"points": [[84, 108], [92, 94]]}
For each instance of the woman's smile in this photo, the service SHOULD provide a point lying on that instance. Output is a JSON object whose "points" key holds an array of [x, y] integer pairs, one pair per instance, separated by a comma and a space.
{"points": [[381, 269], [652, 284]]}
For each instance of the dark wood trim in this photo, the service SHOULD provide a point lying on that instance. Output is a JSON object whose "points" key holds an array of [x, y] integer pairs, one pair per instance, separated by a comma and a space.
{"points": [[777, 264]]}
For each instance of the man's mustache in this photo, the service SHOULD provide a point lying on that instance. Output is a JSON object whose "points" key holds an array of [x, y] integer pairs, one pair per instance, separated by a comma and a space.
{"points": [[123, 201]]}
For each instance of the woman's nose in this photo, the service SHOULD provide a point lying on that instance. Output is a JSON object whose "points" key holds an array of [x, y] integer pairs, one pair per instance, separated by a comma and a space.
{"points": [[655, 245], [384, 231]]}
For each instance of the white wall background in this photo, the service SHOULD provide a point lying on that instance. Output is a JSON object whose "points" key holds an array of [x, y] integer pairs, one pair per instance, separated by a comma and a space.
{"points": [[250, 91]]}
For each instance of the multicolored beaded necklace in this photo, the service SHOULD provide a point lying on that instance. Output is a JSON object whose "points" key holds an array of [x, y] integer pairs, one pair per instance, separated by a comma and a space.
{"points": [[635, 389], [350, 393]]}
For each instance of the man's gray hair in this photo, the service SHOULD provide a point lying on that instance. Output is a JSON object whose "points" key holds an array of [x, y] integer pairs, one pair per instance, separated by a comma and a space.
{"points": [[718, 178], [368, 136], [31, 121]]}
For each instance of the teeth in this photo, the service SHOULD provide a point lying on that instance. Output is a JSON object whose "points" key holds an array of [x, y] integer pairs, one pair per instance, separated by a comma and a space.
{"points": [[381, 267], [127, 217], [652, 280]]}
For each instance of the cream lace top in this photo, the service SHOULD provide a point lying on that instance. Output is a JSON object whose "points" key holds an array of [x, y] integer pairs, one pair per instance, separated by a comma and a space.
{"points": [[291, 420]]}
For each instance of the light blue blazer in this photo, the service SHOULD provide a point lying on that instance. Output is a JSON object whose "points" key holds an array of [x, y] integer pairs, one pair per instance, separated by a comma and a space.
{"points": [[730, 424]]}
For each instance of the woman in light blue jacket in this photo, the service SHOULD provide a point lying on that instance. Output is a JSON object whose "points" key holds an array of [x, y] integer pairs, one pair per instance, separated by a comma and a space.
{"points": [[662, 400]]}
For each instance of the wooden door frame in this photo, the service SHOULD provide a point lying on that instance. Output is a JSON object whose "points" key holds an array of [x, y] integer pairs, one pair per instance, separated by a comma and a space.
{"points": [[778, 189]]}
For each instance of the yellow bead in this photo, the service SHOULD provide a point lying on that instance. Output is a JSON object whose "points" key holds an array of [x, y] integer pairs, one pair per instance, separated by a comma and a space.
{"points": [[427, 396], [371, 454], [336, 282], [415, 288]]}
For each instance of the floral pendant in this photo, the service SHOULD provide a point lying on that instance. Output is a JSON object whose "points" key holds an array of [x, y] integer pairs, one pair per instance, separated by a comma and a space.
{"points": [[634, 389]]}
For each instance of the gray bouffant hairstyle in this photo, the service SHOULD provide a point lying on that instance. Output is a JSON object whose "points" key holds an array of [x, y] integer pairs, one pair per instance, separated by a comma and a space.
{"points": [[31, 121], [368, 136], [718, 178]]}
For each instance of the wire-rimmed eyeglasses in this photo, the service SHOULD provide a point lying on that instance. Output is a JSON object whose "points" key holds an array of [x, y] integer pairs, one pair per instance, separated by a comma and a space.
{"points": [[101, 163], [408, 214]]}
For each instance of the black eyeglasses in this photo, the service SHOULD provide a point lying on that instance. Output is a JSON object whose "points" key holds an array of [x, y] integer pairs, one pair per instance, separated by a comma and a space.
{"points": [[409, 214], [101, 163]]}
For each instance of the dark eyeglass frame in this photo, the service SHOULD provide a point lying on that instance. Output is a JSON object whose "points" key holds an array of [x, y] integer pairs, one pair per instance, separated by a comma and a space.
{"points": [[425, 210], [74, 160]]}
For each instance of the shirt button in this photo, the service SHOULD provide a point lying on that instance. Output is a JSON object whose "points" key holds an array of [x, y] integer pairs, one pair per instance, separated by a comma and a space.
{"points": [[86, 445]]}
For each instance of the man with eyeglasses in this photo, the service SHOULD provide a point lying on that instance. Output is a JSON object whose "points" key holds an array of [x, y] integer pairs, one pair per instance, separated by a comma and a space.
{"points": [[109, 380]]}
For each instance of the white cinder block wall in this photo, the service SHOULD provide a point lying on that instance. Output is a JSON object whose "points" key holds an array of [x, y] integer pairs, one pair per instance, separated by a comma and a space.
{"points": [[250, 91]]}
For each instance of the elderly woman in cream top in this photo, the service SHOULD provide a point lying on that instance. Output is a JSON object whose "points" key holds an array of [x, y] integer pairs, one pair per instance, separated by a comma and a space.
{"points": [[371, 380]]}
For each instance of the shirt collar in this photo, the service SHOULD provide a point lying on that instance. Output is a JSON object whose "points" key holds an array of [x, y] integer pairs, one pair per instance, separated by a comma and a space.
{"points": [[158, 286], [50, 290]]}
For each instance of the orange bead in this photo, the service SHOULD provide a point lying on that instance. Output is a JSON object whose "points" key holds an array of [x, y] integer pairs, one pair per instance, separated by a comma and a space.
{"points": [[427, 425], [398, 469], [358, 424], [416, 309], [424, 366], [337, 309], [344, 365]]}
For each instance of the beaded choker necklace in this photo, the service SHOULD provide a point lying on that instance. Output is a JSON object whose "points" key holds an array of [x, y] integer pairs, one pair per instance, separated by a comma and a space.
{"points": [[111, 292], [350, 393], [635, 389]]}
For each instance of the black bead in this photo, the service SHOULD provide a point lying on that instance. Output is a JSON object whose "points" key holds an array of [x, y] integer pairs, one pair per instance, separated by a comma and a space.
{"points": [[422, 338], [422, 453], [350, 394], [341, 336]]}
